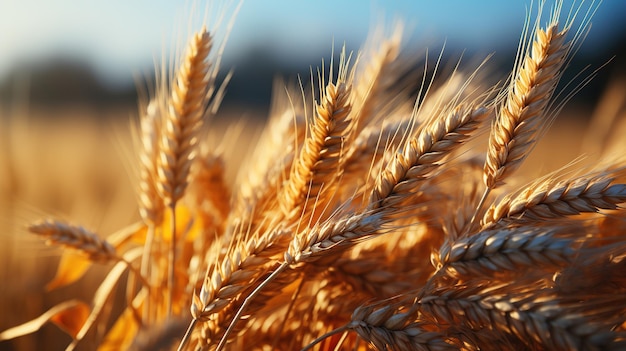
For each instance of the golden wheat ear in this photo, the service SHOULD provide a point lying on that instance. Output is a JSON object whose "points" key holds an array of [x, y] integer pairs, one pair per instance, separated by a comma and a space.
{"points": [[548, 199], [320, 161], [524, 110], [423, 154], [187, 106], [77, 238]]}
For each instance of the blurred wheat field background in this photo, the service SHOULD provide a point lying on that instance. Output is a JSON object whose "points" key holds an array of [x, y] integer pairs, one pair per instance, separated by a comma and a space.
{"points": [[79, 165]]}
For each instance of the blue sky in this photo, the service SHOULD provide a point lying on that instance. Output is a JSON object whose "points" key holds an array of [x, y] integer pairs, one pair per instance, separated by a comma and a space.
{"points": [[121, 37]]}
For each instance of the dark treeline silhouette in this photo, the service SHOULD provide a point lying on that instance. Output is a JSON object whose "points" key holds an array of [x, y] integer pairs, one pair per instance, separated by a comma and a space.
{"points": [[66, 80]]}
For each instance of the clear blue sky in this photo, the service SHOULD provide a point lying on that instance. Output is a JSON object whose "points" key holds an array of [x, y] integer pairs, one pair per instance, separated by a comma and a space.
{"points": [[121, 37]]}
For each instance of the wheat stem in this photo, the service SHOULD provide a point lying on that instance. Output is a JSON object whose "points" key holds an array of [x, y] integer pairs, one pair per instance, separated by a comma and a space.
{"points": [[185, 340], [325, 336], [171, 279], [247, 302]]}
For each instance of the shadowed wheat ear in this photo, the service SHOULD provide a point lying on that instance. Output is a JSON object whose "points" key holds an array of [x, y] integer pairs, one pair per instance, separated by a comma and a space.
{"points": [[391, 325], [535, 319], [505, 250]]}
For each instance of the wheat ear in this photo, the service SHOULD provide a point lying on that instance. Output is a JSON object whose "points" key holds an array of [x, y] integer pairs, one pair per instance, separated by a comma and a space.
{"points": [[505, 250], [522, 113], [533, 318], [243, 264], [82, 240], [186, 109], [423, 154], [549, 199], [320, 161], [77, 238], [151, 205], [387, 329], [391, 325]]}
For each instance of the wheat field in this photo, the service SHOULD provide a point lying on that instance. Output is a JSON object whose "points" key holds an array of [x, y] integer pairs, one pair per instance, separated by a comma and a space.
{"points": [[391, 203]]}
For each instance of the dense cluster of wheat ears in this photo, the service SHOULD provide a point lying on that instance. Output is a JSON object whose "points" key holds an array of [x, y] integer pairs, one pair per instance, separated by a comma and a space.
{"points": [[366, 219]]}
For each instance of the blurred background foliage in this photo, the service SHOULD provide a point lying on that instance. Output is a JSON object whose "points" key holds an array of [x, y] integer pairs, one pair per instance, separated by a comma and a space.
{"points": [[72, 51]]}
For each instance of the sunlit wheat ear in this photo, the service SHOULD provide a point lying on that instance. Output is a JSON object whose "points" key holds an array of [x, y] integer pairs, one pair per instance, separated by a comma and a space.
{"points": [[423, 154], [387, 329], [186, 108], [321, 159], [524, 110], [550, 199], [226, 281]]}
